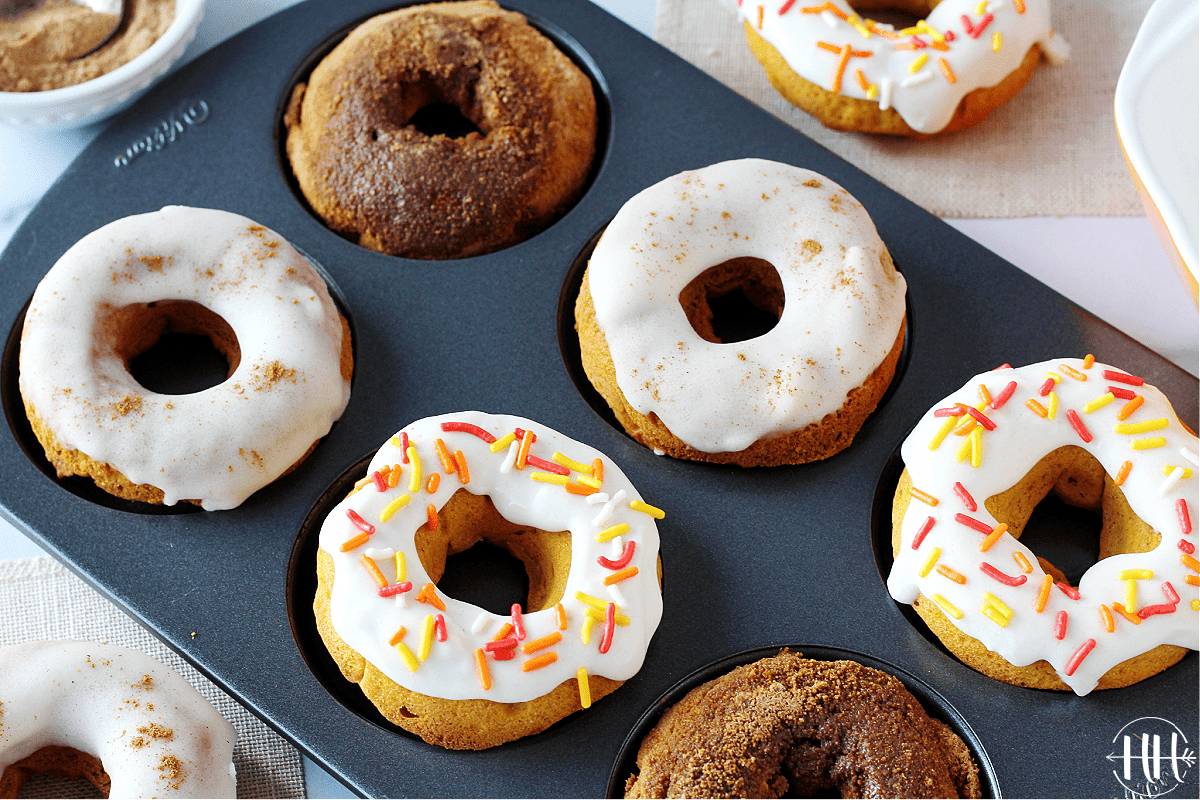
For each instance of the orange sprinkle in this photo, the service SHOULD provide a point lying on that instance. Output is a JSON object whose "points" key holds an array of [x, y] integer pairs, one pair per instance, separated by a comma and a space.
{"points": [[397, 636], [993, 537], [461, 462], [1192, 580], [393, 476], [428, 594], [523, 453], [543, 660], [350, 544], [1129, 615], [1123, 473], [1109, 624], [1130, 407], [1088, 360], [444, 456], [830, 7], [431, 513], [953, 575], [760, 21], [949, 73], [560, 615], [481, 669], [373, 568], [1037, 408], [1043, 594], [549, 640], [432, 484], [1190, 561], [1074, 373], [843, 60], [1026, 567], [598, 469], [579, 488], [617, 577], [984, 394], [1019, 5], [863, 83], [504, 631], [924, 497]]}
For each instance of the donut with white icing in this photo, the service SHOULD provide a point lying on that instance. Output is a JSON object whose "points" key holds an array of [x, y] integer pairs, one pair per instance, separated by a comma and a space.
{"points": [[801, 248], [449, 671], [114, 716], [978, 463], [945, 73], [190, 270]]}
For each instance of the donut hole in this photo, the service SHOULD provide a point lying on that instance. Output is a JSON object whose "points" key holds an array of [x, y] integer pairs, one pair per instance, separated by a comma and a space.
{"points": [[734, 301], [900, 14], [174, 346], [55, 771], [443, 119], [1072, 514], [469, 531]]}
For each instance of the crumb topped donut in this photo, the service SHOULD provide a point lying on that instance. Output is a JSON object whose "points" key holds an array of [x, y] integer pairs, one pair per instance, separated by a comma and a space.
{"points": [[803, 250], [945, 73], [116, 717], [794, 727], [373, 177], [449, 671], [976, 466], [194, 271]]}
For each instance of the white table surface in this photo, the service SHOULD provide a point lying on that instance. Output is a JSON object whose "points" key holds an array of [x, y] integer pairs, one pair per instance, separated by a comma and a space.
{"points": [[1089, 260]]}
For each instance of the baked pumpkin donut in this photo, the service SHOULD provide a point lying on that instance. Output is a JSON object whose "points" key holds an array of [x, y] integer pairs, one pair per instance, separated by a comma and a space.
{"points": [[449, 671], [192, 271], [804, 251], [945, 73], [373, 177], [978, 464], [789, 726]]}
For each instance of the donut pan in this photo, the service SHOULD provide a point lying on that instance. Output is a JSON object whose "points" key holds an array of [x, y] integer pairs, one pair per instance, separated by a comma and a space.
{"points": [[752, 559]]}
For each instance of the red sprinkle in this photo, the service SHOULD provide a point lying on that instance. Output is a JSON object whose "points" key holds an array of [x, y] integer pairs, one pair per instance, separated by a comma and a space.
{"points": [[380, 481], [981, 418], [500, 644], [619, 563], [359, 522], [395, 589], [1186, 546], [1060, 626], [955, 410], [1079, 656], [518, 622], [1121, 377], [783, 9], [549, 466], [431, 513], [923, 532], [610, 623], [1067, 590], [971, 522], [1161, 608], [1046, 387], [1185, 519], [403, 447], [1007, 580], [439, 627], [1171, 594], [975, 30], [467, 427], [1122, 394], [505, 655], [1004, 396], [965, 496], [520, 433], [1078, 425]]}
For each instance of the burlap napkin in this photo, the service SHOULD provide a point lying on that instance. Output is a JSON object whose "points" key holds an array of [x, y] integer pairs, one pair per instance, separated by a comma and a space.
{"points": [[41, 599], [1050, 151]]}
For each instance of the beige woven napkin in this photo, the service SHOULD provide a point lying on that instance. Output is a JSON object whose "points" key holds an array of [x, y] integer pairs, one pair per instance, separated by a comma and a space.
{"points": [[1050, 151], [41, 599]]}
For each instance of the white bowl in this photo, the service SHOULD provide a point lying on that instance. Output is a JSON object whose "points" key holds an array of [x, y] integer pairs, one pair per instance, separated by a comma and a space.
{"points": [[1157, 107], [90, 101]]}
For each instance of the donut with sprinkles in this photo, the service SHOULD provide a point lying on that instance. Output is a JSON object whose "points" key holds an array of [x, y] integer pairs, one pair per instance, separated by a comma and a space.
{"points": [[978, 463], [447, 670], [945, 73]]}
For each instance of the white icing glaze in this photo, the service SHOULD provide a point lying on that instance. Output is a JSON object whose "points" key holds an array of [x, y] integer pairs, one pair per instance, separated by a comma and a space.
{"points": [[1019, 440], [367, 621], [219, 445], [842, 307], [925, 97], [105, 701]]}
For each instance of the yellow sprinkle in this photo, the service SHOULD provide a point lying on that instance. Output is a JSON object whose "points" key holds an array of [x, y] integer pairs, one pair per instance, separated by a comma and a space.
{"points": [[934, 555], [1052, 412], [550, 477], [1135, 574], [964, 451], [942, 433], [1131, 594], [1141, 427], [646, 508], [585, 689], [1074, 373], [401, 567], [872, 92], [995, 616], [993, 537], [1043, 594], [414, 480], [393, 507], [503, 442], [918, 62], [856, 22], [570, 463], [1195, 605], [585, 630], [395, 442], [981, 9], [1148, 444], [426, 638], [991, 601], [1054, 376], [977, 447], [968, 422], [410, 660], [947, 606], [996, 42], [1168, 469], [588, 480], [1026, 567], [615, 530], [1099, 402], [597, 615], [588, 600], [923, 496]]}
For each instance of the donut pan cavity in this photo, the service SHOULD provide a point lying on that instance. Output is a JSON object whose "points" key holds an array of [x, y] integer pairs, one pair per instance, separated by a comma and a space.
{"points": [[751, 558]]}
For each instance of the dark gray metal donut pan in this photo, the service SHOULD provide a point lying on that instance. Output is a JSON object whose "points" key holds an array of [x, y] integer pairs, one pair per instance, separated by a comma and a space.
{"points": [[751, 558]]}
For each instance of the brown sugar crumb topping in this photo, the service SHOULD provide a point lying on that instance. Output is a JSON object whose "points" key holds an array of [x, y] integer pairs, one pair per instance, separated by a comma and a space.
{"points": [[146, 684], [811, 249], [812, 183], [156, 731], [173, 772], [266, 376], [153, 263]]}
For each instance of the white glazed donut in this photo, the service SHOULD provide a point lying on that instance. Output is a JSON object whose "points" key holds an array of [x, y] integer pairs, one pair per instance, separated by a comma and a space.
{"points": [[922, 72], [154, 733], [842, 314], [216, 446], [600, 628], [991, 587]]}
